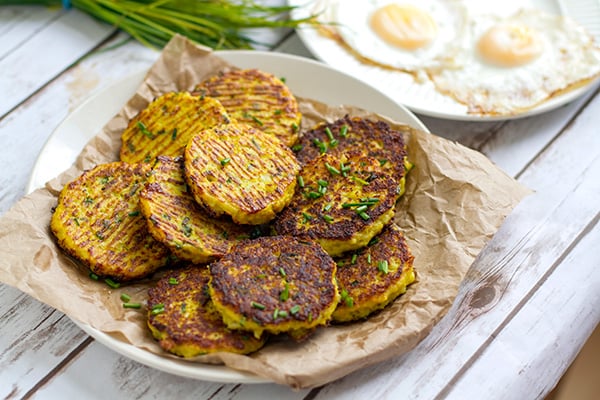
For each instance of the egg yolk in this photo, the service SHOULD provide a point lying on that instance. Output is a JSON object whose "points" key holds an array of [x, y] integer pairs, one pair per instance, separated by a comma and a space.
{"points": [[510, 45], [404, 26]]}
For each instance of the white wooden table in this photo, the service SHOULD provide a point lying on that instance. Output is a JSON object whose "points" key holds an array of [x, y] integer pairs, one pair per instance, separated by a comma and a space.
{"points": [[526, 307]]}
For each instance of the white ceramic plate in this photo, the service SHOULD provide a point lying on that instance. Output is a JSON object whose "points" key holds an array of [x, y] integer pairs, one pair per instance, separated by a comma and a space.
{"points": [[422, 98], [306, 78]]}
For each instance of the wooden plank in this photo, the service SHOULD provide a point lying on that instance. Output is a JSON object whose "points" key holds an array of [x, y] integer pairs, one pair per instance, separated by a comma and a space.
{"points": [[540, 328], [19, 23], [24, 131], [59, 43], [506, 274], [99, 372]]}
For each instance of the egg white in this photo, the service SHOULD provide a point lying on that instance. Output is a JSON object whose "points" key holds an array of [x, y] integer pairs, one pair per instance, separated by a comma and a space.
{"points": [[352, 23], [569, 57]]}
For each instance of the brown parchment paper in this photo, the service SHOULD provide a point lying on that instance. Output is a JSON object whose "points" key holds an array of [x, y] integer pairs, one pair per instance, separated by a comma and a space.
{"points": [[454, 202]]}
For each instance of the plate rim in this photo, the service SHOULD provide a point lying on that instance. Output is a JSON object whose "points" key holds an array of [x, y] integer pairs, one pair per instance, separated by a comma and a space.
{"points": [[198, 371], [308, 35]]}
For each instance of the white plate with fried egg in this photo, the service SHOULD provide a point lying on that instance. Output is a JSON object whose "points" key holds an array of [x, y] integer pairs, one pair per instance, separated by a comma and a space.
{"points": [[461, 59]]}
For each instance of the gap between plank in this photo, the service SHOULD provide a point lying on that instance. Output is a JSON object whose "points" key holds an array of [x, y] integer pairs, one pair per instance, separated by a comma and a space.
{"points": [[448, 387]]}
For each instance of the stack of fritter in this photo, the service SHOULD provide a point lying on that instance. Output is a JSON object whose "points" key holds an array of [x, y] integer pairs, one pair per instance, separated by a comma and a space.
{"points": [[262, 229]]}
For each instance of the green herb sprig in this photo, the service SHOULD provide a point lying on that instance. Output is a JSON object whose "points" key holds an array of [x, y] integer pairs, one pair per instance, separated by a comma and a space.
{"points": [[218, 24]]}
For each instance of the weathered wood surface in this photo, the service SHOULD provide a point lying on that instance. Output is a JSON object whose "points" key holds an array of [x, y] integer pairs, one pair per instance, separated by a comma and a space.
{"points": [[527, 305]]}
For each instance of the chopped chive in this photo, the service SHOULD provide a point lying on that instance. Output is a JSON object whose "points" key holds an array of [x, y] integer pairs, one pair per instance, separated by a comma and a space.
{"points": [[307, 217], [256, 305], [322, 189], [373, 241], [314, 195], [276, 313], [327, 207], [328, 218], [383, 266], [354, 257], [132, 305], [158, 309], [145, 130], [346, 298], [295, 127], [360, 180], [362, 208], [333, 142], [322, 146], [332, 169], [173, 281], [369, 258], [297, 147], [364, 215], [225, 161], [112, 283], [383, 162], [125, 297], [282, 313], [174, 134], [300, 180], [285, 293], [329, 133], [344, 131], [278, 111], [94, 276], [322, 182], [134, 213], [295, 309], [282, 272]]}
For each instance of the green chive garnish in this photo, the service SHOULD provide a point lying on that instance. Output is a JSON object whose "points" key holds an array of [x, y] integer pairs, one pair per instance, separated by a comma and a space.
{"points": [[297, 147], [173, 281], [344, 131], [332, 169], [144, 130], [328, 218], [158, 309], [322, 182], [256, 305], [282, 272], [300, 181], [132, 305], [307, 217], [125, 297], [295, 309], [112, 283], [225, 161], [134, 213], [383, 266], [369, 258], [329, 133], [94, 276], [364, 215], [354, 257], [285, 294]]}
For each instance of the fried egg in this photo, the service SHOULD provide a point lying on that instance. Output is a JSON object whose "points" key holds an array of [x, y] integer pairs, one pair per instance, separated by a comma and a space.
{"points": [[512, 63], [409, 35]]}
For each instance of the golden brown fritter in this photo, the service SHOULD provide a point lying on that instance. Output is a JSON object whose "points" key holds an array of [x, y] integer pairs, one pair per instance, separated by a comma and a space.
{"points": [[176, 220], [275, 284], [371, 278], [98, 221], [258, 98], [342, 201], [166, 125], [182, 318], [239, 171], [373, 138]]}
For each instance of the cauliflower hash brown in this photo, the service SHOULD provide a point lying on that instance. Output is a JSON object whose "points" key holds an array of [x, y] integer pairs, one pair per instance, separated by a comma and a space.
{"points": [[182, 318], [375, 139], [98, 221], [240, 171], [372, 277], [275, 284], [257, 98], [342, 201], [176, 220], [166, 125], [204, 176]]}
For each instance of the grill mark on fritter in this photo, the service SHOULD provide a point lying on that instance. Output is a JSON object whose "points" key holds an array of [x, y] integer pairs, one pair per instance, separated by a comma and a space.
{"points": [[165, 126], [306, 216], [257, 98], [278, 284], [374, 276], [189, 324], [373, 138], [97, 221], [178, 221], [241, 171]]}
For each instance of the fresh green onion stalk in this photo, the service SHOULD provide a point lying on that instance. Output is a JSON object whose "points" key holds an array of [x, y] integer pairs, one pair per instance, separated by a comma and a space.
{"points": [[218, 24]]}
